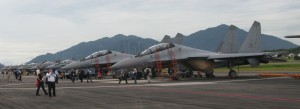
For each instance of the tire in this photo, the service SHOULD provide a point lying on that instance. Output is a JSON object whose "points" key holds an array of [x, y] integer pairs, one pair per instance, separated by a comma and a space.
{"points": [[232, 74]]}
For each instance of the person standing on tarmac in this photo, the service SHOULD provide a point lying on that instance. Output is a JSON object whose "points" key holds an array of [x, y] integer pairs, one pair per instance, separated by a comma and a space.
{"points": [[148, 75], [80, 75], [88, 76], [72, 75], [19, 73], [135, 75], [123, 76], [51, 82], [56, 78], [9, 73]]}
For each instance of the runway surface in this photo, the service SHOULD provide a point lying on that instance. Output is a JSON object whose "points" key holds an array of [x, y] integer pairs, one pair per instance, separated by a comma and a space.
{"points": [[248, 91]]}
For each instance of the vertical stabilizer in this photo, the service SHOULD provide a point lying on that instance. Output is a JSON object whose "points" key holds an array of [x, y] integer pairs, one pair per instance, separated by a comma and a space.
{"points": [[251, 43], [178, 39], [228, 45], [166, 39]]}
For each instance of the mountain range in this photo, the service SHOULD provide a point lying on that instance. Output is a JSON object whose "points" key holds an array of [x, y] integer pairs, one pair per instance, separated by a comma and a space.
{"points": [[208, 39]]}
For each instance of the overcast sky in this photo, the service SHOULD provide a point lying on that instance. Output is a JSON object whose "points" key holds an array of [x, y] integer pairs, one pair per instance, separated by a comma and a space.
{"points": [[29, 28]]}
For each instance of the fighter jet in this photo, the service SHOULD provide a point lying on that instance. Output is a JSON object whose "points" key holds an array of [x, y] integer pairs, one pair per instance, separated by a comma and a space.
{"points": [[61, 64], [102, 58], [42, 66], [200, 60]]}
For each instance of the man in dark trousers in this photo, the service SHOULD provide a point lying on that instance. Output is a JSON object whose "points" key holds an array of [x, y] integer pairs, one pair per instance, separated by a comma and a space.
{"points": [[81, 72], [88, 76], [51, 82], [72, 75], [123, 76]]}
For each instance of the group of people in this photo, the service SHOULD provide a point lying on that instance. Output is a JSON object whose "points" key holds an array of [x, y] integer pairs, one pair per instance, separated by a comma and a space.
{"points": [[79, 74], [124, 75], [50, 79], [17, 73]]}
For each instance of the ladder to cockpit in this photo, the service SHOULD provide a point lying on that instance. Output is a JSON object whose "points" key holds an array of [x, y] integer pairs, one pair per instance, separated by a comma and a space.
{"points": [[173, 63], [108, 63], [98, 67], [158, 63]]}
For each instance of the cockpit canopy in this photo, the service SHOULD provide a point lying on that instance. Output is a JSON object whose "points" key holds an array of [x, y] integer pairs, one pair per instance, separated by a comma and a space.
{"points": [[67, 61], [98, 54], [156, 48]]}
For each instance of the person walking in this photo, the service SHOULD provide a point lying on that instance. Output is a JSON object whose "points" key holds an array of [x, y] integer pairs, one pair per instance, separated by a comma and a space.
{"points": [[51, 83], [19, 75], [123, 76], [9, 73], [57, 76], [39, 84], [80, 75], [76, 74], [72, 75], [135, 75], [148, 75], [88, 76]]}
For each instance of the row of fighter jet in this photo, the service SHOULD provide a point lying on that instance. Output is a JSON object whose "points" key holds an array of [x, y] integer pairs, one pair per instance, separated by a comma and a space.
{"points": [[170, 50]]}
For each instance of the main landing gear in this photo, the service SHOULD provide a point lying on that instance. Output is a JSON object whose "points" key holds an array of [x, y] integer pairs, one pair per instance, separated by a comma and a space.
{"points": [[232, 74]]}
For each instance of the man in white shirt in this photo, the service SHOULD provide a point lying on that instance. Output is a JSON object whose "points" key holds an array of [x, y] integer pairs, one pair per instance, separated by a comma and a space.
{"points": [[51, 82]]}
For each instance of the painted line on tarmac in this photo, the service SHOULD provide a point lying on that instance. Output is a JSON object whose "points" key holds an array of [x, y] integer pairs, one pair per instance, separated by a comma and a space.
{"points": [[155, 84], [84, 87], [16, 84]]}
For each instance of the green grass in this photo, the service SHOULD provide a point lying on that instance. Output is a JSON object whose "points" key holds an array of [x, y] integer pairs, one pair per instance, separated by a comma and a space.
{"points": [[290, 66]]}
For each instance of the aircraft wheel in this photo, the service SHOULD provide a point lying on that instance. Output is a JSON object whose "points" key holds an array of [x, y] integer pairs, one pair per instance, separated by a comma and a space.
{"points": [[232, 74]]}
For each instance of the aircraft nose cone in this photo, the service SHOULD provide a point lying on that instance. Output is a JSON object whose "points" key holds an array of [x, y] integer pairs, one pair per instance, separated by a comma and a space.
{"points": [[68, 66], [118, 65], [124, 64]]}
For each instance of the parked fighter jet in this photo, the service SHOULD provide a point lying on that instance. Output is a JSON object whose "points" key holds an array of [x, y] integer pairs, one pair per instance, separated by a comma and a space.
{"points": [[103, 58], [61, 64], [41, 66], [201, 60]]}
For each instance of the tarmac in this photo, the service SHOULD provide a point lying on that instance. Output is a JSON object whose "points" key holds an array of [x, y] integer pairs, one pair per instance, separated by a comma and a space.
{"points": [[246, 92]]}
